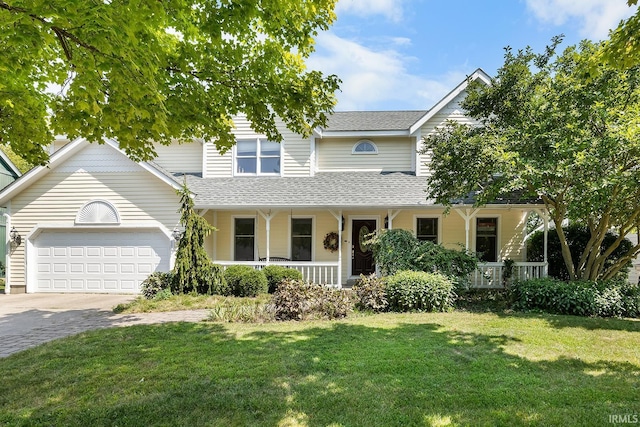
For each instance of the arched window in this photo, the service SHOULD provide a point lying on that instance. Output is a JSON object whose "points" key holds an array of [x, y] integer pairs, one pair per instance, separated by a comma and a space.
{"points": [[98, 212], [364, 147]]}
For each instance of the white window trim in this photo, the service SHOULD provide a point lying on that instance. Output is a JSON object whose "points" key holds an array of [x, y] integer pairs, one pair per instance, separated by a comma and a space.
{"points": [[439, 231], [364, 153], [233, 235], [313, 235], [474, 236], [258, 141]]}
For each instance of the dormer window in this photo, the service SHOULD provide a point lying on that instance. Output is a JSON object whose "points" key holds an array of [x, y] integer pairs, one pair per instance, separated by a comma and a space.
{"points": [[364, 147], [257, 157]]}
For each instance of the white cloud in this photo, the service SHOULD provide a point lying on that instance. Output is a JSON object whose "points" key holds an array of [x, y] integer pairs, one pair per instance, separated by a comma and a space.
{"points": [[391, 9], [596, 17], [377, 79]]}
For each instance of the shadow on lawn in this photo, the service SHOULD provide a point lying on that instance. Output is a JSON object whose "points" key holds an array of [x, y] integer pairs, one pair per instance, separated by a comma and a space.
{"points": [[341, 374]]}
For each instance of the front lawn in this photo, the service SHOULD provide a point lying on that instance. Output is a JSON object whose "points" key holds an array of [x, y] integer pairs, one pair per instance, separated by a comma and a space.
{"points": [[439, 369]]}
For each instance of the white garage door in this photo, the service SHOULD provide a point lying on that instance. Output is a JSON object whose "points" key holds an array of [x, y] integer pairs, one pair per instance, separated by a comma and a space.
{"points": [[98, 261]]}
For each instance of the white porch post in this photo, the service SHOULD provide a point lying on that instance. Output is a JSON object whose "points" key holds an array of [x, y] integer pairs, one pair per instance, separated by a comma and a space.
{"points": [[391, 214], [338, 217], [7, 259], [546, 244], [267, 218], [467, 215]]}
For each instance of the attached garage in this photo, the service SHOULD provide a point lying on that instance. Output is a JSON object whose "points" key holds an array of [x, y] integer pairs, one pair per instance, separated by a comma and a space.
{"points": [[100, 261]]}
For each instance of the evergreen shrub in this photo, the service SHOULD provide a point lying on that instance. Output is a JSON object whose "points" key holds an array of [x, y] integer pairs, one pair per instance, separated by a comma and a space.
{"points": [[245, 281], [419, 291], [277, 273]]}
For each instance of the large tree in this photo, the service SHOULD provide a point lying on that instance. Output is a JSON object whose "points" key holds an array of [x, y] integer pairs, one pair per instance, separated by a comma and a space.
{"points": [[550, 129], [622, 49], [142, 71]]}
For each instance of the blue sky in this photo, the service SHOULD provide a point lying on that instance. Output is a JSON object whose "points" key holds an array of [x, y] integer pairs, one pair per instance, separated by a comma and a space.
{"points": [[407, 54]]}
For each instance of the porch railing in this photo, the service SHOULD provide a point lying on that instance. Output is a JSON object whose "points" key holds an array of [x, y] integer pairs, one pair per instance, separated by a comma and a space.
{"points": [[325, 273], [490, 274]]}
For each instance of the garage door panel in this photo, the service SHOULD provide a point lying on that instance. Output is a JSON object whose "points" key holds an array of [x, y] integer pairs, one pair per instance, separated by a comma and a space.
{"points": [[92, 261]]}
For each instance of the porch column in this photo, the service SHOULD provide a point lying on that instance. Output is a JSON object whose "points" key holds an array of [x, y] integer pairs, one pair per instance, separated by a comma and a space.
{"points": [[546, 244], [338, 217], [267, 218], [391, 214], [467, 215]]}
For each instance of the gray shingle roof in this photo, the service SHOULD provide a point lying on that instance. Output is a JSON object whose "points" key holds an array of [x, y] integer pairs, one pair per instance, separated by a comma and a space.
{"points": [[373, 120], [324, 190]]}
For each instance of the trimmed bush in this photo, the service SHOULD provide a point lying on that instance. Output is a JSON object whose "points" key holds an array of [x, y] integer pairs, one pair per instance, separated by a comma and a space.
{"points": [[298, 300], [245, 281], [419, 291], [614, 298], [371, 293], [155, 283], [277, 273]]}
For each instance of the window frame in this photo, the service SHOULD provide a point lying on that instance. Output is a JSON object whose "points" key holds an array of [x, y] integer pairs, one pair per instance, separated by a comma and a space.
{"points": [[255, 236], [438, 218], [497, 235], [258, 156], [364, 153], [312, 237]]}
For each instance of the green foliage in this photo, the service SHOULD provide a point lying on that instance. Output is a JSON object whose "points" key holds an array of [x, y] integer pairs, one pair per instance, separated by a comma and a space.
{"points": [[193, 271], [397, 250], [156, 283], [577, 238], [241, 310], [277, 273], [211, 281], [371, 293], [419, 291], [156, 71], [245, 281], [550, 129], [622, 49], [298, 300], [614, 298]]}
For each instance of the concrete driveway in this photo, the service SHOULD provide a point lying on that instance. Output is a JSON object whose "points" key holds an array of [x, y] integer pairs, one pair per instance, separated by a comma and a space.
{"points": [[28, 320]]}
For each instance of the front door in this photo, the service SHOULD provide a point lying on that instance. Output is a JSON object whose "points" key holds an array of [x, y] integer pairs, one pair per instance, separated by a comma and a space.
{"points": [[362, 256]]}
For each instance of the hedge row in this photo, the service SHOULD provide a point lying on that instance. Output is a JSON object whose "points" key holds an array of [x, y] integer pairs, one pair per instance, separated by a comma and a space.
{"points": [[583, 298]]}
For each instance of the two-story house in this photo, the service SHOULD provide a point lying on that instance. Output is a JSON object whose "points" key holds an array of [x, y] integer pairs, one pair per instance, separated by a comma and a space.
{"points": [[95, 221]]}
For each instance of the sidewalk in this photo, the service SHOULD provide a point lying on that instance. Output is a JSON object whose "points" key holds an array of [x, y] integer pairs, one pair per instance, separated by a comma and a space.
{"points": [[28, 320]]}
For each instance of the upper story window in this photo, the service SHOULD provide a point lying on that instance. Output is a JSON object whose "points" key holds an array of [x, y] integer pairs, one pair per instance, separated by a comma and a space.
{"points": [[364, 147], [257, 157]]}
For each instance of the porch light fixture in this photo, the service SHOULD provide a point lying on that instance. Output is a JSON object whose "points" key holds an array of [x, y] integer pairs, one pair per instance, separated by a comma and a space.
{"points": [[177, 234], [386, 222], [16, 238]]}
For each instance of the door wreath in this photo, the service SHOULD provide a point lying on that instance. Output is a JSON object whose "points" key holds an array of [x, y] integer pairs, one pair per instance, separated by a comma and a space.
{"points": [[331, 241]]}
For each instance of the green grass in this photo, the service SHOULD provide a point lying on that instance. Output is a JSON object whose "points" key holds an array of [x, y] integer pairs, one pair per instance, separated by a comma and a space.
{"points": [[438, 369], [187, 302]]}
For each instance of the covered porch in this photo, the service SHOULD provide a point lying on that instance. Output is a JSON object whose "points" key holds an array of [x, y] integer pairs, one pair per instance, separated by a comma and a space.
{"points": [[288, 220]]}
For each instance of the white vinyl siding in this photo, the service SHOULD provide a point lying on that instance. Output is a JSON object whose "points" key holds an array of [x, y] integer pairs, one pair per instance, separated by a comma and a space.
{"points": [[217, 165], [138, 196], [452, 111], [296, 152], [335, 154], [177, 158]]}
